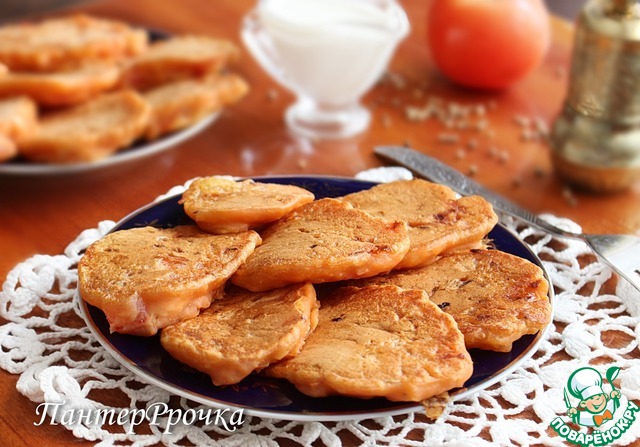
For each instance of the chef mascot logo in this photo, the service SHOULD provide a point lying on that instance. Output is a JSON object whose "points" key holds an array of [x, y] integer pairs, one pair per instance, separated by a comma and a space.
{"points": [[597, 406]]}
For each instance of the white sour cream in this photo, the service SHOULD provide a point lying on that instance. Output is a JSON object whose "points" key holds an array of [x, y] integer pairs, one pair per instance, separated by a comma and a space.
{"points": [[332, 50]]}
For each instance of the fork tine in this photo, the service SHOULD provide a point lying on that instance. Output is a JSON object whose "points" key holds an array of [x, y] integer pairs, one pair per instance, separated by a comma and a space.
{"points": [[621, 252]]}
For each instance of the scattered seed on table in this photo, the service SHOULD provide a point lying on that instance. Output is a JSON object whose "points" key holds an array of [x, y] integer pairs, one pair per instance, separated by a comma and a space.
{"points": [[528, 135], [490, 133], [568, 195], [416, 113], [481, 125], [538, 172], [541, 126], [521, 120], [448, 138], [503, 157], [480, 110]]}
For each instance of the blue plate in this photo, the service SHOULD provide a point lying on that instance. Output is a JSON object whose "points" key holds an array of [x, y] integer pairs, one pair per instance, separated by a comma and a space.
{"points": [[275, 398]]}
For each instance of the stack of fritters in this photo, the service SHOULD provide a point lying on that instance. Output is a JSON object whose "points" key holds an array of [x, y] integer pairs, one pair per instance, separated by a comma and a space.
{"points": [[86, 76], [384, 328]]}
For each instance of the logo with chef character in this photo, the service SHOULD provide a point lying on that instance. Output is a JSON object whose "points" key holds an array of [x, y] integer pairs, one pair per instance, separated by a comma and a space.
{"points": [[599, 411]]}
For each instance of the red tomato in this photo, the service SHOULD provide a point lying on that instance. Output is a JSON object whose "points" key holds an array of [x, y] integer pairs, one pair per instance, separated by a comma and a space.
{"points": [[487, 44]]}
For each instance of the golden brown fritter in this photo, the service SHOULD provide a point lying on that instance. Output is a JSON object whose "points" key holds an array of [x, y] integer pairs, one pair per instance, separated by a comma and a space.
{"points": [[379, 341], [179, 57], [64, 88], [323, 241], [220, 205], [59, 43], [18, 119], [495, 297], [147, 278], [180, 104], [89, 131], [438, 221], [244, 332]]}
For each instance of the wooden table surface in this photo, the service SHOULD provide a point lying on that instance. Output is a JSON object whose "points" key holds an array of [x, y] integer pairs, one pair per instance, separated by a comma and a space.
{"points": [[43, 214]]}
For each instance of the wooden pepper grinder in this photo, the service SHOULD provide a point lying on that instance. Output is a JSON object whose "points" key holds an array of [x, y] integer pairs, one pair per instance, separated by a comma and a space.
{"points": [[596, 139]]}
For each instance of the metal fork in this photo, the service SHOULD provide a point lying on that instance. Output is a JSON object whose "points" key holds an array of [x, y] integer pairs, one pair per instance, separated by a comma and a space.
{"points": [[621, 252]]}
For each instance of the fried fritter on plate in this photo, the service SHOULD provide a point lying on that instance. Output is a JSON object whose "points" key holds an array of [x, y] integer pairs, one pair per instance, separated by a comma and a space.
{"points": [[220, 205], [244, 332], [147, 278], [494, 297], [18, 118], [62, 88], [379, 341], [179, 57], [180, 104], [8, 148], [59, 43], [89, 131], [323, 241], [438, 221]]}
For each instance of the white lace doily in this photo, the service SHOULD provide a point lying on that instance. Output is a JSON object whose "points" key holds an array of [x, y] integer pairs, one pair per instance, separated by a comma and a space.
{"points": [[58, 359]]}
